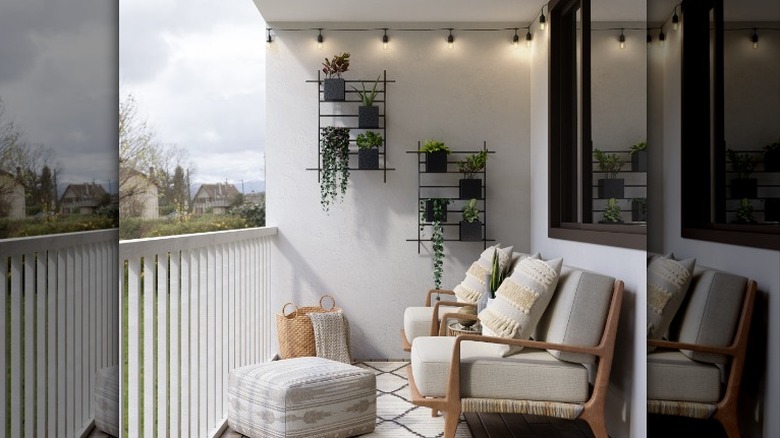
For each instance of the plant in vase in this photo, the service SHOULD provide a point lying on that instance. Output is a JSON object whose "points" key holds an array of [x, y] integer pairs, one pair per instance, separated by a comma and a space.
{"points": [[745, 213], [610, 164], [470, 226], [772, 157], [368, 149], [335, 164], [471, 186], [612, 214], [368, 114], [334, 84], [638, 156], [436, 153], [742, 164], [437, 240]]}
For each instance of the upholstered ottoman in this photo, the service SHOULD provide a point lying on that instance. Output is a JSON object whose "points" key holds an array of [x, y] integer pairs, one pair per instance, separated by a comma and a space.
{"points": [[302, 397]]}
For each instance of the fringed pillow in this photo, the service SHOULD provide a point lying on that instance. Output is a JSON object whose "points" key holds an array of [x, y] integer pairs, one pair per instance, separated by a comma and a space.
{"points": [[667, 283], [471, 288]]}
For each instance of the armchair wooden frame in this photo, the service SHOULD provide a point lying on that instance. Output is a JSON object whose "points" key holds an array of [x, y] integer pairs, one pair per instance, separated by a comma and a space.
{"points": [[726, 409], [407, 346], [592, 410]]}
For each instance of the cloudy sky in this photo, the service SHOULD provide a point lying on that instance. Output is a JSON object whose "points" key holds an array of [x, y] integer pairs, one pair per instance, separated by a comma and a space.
{"points": [[58, 82], [196, 70]]}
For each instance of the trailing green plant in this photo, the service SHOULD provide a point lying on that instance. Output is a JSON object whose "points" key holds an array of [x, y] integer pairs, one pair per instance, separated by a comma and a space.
{"points": [[444, 202], [497, 275], [335, 164], [473, 164], [471, 212], [611, 214], [434, 146], [608, 163], [641, 146], [437, 240], [369, 139], [745, 213], [742, 164], [333, 68], [368, 96]]}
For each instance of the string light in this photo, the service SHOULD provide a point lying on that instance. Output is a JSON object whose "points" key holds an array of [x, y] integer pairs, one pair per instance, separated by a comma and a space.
{"points": [[450, 41], [515, 39], [622, 40], [675, 20], [385, 40], [528, 38], [268, 39], [754, 38], [542, 20], [661, 37], [320, 40]]}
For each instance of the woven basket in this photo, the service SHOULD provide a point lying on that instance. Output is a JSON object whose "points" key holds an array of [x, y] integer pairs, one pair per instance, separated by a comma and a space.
{"points": [[295, 331]]}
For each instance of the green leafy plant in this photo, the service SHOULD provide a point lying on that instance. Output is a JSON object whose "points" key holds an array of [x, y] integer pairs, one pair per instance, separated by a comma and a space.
{"points": [[608, 163], [473, 164], [335, 164], [497, 275], [772, 146], [437, 240], [444, 202], [471, 212], [369, 139], [333, 68], [745, 214], [368, 96], [434, 146], [641, 146], [611, 214], [742, 164]]}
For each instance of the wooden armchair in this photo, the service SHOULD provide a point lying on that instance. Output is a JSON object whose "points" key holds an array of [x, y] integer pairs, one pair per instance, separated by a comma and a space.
{"points": [[685, 375], [547, 377]]}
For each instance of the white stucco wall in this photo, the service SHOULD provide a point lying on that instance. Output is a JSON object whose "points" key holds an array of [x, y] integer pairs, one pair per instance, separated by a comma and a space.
{"points": [[479, 91]]}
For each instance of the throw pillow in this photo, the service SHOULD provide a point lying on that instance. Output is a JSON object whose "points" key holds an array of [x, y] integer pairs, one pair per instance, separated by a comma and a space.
{"points": [[520, 301], [667, 283], [471, 288]]}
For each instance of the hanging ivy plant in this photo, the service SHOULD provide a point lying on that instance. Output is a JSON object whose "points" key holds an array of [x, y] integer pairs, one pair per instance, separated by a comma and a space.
{"points": [[335, 165], [437, 238]]}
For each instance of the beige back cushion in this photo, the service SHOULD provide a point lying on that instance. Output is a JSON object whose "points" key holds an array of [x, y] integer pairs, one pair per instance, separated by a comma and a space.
{"points": [[577, 312]]}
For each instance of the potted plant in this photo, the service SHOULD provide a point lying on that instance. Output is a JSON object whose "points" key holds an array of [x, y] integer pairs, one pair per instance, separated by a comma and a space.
{"points": [[639, 209], [742, 186], [368, 149], [470, 226], [335, 164], [334, 84], [437, 241], [610, 164], [612, 214], [368, 114], [639, 156], [772, 157], [470, 185], [434, 209], [745, 214], [436, 153]]}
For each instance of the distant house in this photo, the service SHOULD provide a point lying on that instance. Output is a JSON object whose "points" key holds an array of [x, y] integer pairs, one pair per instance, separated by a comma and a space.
{"points": [[138, 195], [214, 198], [82, 198], [255, 198], [11, 196]]}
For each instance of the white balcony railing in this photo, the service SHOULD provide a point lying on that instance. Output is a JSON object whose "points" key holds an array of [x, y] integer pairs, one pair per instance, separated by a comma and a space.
{"points": [[209, 312], [58, 315]]}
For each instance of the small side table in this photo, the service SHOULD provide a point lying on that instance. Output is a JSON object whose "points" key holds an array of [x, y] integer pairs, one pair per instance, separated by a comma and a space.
{"points": [[454, 329]]}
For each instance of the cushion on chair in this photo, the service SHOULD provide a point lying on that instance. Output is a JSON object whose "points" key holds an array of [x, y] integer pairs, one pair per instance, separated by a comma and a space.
{"points": [[417, 320], [520, 301], [472, 286], [667, 283], [531, 374], [577, 312], [711, 314], [673, 376]]}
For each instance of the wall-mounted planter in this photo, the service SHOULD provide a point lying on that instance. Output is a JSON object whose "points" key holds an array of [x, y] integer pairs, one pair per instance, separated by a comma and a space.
{"points": [[368, 159], [772, 210], [436, 162], [471, 231], [639, 161], [639, 210], [744, 188], [368, 117], [772, 160], [429, 216], [611, 188], [470, 189], [334, 89]]}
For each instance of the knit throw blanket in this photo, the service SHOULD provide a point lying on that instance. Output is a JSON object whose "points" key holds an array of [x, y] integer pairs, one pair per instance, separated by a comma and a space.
{"points": [[331, 336]]}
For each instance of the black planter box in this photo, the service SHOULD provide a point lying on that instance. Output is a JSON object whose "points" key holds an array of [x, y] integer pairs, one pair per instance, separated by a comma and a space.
{"points": [[368, 117], [368, 158], [772, 160], [471, 231], [639, 161], [638, 210], [470, 189], [333, 90], [429, 212], [611, 188], [744, 188], [772, 210], [436, 162]]}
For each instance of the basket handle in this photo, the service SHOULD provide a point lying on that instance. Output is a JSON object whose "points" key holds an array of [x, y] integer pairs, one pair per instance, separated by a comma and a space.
{"points": [[292, 314], [331, 307]]}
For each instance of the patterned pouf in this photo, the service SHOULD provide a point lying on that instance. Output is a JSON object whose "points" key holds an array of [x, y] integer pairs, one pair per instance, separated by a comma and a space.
{"points": [[302, 397]]}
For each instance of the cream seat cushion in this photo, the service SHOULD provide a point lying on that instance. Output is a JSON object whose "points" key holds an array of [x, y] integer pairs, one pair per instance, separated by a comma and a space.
{"points": [[673, 376], [531, 374]]}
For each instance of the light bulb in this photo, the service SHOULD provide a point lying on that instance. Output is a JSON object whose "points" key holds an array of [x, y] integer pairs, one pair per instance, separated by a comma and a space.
{"points": [[675, 21], [450, 41], [542, 20], [385, 41], [516, 40], [320, 40], [754, 39], [661, 38], [528, 38], [268, 40]]}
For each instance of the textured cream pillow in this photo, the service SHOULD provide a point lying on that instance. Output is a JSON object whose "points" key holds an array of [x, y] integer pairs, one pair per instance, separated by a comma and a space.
{"points": [[520, 301], [471, 288], [667, 283]]}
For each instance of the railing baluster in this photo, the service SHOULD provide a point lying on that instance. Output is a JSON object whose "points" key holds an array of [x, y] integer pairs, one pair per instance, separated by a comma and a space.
{"points": [[29, 344], [3, 336], [148, 298], [76, 339], [175, 272], [215, 336], [133, 349], [194, 341], [162, 343], [203, 359], [186, 294], [40, 323], [16, 346], [51, 384], [63, 288]]}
